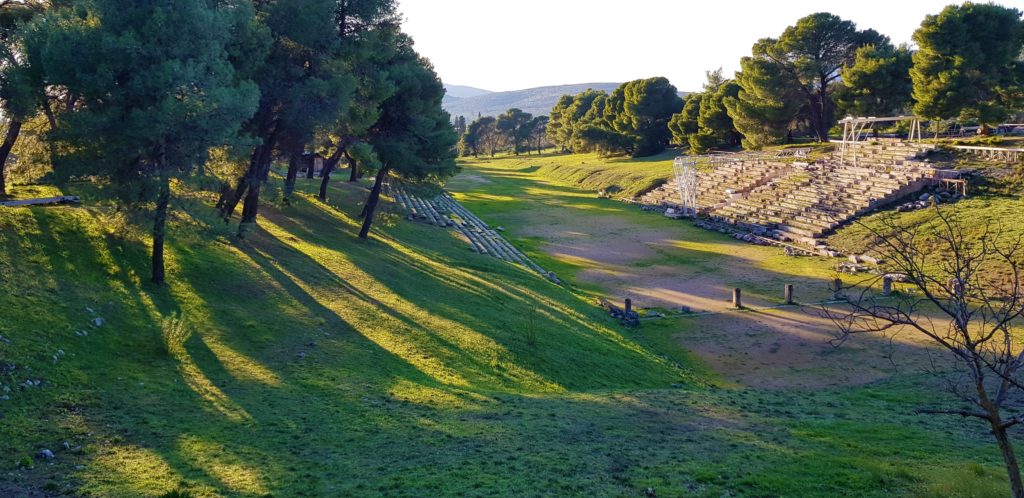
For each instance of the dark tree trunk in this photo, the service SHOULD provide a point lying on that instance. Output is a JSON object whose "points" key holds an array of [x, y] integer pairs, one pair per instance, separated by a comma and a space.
{"points": [[13, 131], [371, 202], [294, 161], [250, 209], [329, 165], [230, 201], [260, 158], [160, 230], [1009, 458], [325, 180], [225, 192], [50, 117], [820, 118], [353, 166]]}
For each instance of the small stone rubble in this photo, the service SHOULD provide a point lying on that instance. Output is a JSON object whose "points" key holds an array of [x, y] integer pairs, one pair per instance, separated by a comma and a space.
{"points": [[444, 211], [626, 316]]}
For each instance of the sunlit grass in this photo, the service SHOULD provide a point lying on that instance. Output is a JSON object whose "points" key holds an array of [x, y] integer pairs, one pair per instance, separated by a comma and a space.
{"points": [[304, 361]]}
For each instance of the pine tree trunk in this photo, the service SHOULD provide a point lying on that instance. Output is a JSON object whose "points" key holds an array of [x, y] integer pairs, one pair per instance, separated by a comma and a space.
{"points": [[293, 173], [312, 166], [371, 203], [1009, 458], [250, 209], [261, 156], [353, 166], [324, 181], [160, 230], [13, 131], [232, 198], [329, 165], [822, 125]]}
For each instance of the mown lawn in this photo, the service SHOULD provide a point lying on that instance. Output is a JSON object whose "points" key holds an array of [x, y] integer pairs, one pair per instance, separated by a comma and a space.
{"points": [[305, 362]]}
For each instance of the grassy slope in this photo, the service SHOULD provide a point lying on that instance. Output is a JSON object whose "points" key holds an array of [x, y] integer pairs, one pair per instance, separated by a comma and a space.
{"points": [[996, 201], [311, 363], [627, 177]]}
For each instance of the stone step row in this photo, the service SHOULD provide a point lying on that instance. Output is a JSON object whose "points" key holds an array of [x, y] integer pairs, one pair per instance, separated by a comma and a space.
{"points": [[417, 208], [445, 211]]}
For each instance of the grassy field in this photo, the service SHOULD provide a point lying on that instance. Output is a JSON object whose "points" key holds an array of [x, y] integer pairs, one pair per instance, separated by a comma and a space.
{"points": [[305, 362]]}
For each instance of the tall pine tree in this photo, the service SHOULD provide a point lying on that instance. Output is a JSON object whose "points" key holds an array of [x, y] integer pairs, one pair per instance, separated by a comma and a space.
{"points": [[151, 102]]}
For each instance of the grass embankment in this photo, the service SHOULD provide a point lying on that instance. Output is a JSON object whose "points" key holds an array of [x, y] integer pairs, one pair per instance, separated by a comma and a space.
{"points": [[995, 202], [620, 176], [305, 362]]}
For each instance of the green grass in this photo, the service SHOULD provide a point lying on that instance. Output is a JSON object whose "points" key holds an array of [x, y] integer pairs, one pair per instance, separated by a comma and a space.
{"points": [[622, 176], [1000, 213], [306, 362]]}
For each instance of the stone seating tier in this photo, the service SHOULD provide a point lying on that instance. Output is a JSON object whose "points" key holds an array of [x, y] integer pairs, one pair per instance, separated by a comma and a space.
{"points": [[799, 202]]}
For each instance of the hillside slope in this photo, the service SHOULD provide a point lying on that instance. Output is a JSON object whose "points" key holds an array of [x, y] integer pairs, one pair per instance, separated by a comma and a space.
{"points": [[306, 362], [301, 328], [462, 91]]}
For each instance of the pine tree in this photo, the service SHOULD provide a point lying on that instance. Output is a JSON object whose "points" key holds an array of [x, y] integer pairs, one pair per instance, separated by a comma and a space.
{"points": [[684, 123], [968, 63], [18, 91], [413, 138], [646, 107], [877, 83], [766, 105], [151, 101], [809, 57], [714, 126]]}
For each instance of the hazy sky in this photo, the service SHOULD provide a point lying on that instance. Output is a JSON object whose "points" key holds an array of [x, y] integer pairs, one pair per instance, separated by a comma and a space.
{"points": [[515, 44]]}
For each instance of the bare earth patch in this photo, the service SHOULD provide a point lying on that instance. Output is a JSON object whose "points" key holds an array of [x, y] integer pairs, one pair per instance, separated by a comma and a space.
{"points": [[785, 348], [656, 269]]}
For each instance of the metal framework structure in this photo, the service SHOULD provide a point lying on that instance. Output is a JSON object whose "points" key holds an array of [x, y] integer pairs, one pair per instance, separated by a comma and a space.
{"points": [[685, 168], [854, 129], [687, 172]]}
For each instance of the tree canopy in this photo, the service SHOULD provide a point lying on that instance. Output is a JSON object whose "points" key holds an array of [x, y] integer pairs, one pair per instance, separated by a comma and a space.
{"points": [[808, 57], [150, 102], [877, 83], [632, 120], [968, 64], [766, 104]]}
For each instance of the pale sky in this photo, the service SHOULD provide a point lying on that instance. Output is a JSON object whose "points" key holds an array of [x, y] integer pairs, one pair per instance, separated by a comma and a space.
{"points": [[516, 44]]}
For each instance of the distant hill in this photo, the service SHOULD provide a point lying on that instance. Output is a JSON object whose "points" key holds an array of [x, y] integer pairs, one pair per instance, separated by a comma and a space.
{"points": [[536, 101], [462, 92]]}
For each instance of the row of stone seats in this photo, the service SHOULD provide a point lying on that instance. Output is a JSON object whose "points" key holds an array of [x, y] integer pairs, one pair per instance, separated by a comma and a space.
{"points": [[810, 203], [884, 153], [717, 185]]}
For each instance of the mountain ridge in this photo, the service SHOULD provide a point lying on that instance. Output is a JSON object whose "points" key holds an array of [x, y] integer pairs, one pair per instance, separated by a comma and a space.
{"points": [[537, 101]]}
